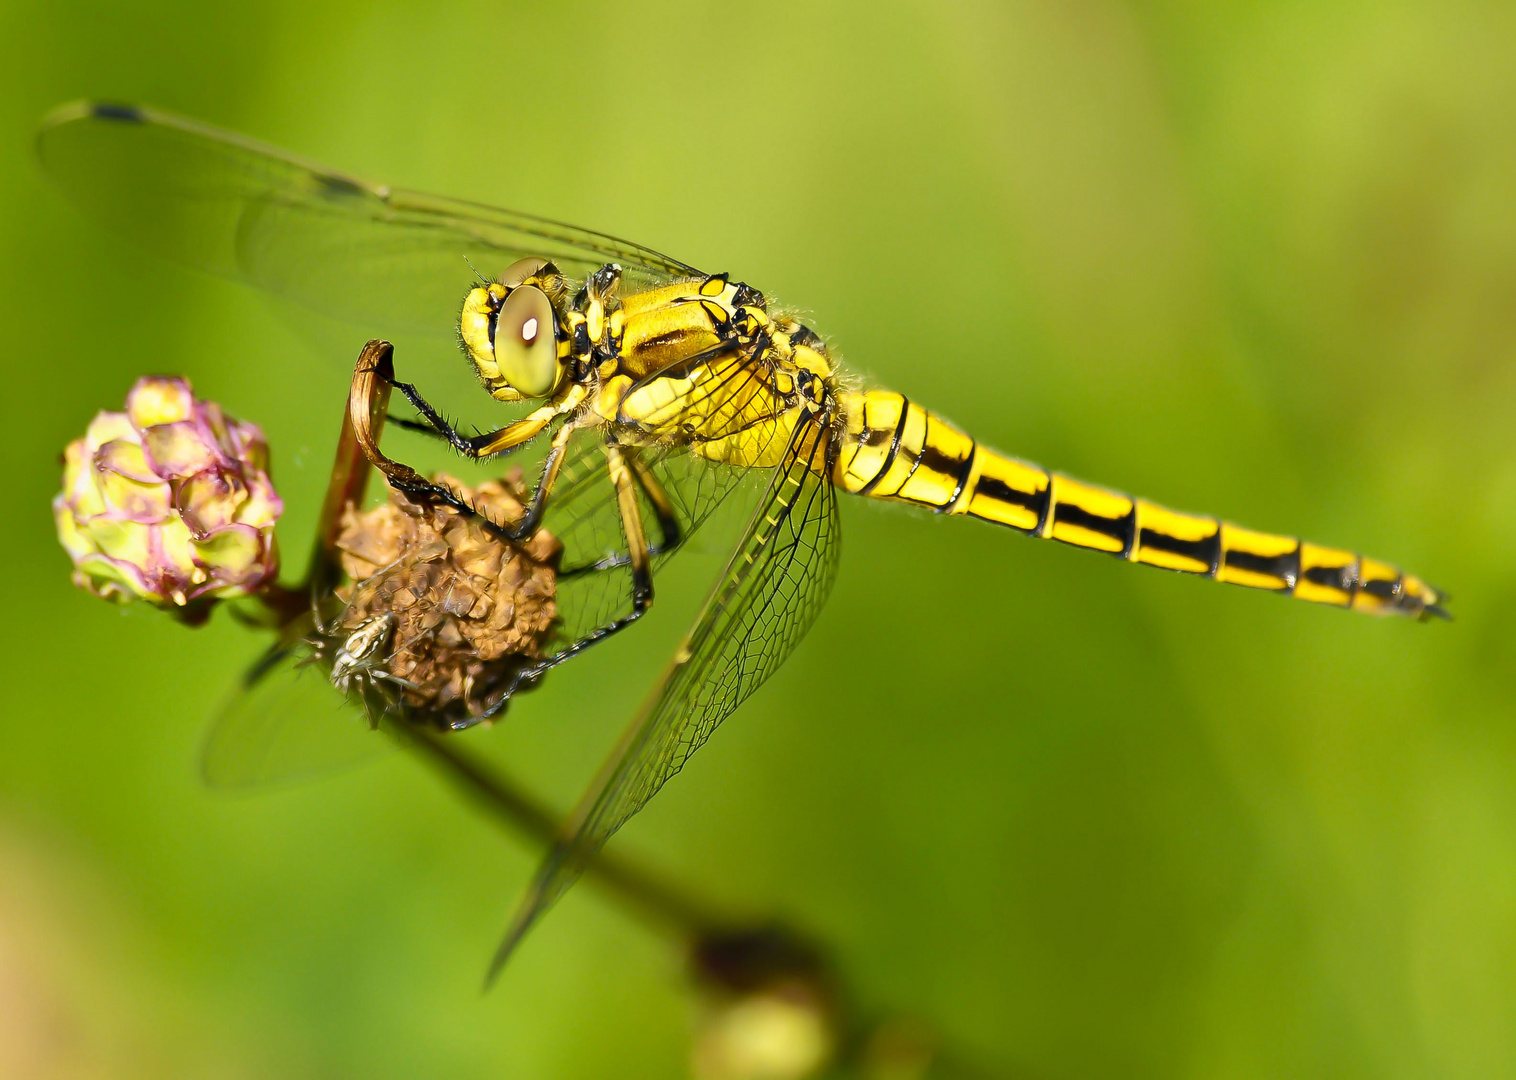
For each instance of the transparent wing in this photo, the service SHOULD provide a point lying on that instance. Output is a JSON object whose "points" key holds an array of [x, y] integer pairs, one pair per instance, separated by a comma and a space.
{"points": [[284, 723], [762, 606], [595, 577], [395, 261]]}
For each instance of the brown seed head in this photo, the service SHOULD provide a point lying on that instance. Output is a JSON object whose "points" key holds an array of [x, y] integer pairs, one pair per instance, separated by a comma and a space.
{"points": [[472, 610]]}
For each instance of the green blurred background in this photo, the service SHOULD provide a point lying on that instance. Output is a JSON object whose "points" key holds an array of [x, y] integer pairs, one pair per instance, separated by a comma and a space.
{"points": [[1252, 259]]}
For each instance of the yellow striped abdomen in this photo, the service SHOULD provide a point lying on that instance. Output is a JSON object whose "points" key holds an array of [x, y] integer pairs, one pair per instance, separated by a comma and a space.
{"points": [[894, 449]]}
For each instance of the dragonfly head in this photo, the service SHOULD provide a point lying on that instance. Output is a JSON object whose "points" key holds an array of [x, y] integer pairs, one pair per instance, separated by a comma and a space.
{"points": [[512, 332]]}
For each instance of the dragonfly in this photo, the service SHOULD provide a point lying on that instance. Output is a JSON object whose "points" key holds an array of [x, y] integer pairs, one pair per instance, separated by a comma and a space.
{"points": [[651, 390]]}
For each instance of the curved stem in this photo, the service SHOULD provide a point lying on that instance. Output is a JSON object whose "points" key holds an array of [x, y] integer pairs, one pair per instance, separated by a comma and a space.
{"points": [[652, 897]]}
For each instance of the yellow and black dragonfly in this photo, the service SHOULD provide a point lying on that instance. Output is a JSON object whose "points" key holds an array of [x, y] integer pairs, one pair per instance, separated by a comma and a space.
{"points": [[652, 389]]}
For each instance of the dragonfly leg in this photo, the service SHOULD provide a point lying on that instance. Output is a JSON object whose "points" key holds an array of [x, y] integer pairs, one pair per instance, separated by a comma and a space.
{"points": [[527, 526], [663, 506], [446, 433], [631, 524], [489, 445], [418, 426], [530, 521], [434, 420], [496, 442]]}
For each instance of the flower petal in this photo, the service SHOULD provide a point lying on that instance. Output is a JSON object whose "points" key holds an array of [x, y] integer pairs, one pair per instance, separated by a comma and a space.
{"points": [[179, 572], [210, 500], [121, 541], [262, 506], [252, 447], [109, 580], [70, 535], [158, 399], [216, 429], [79, 490], [123, 496], [231, 553], [107, 426], [180, 449], [125, 458]]}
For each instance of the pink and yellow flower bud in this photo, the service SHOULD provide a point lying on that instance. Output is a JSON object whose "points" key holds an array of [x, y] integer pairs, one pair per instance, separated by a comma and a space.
{"points": [[169, 502]]}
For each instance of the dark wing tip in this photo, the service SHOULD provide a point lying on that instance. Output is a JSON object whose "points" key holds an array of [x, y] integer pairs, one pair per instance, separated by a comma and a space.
{"points": [[116, 110], [73, 111], [337, 184]]}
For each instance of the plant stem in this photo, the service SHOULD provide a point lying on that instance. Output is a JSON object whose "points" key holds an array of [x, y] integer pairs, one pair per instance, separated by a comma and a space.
{"points": [[653, 898]]}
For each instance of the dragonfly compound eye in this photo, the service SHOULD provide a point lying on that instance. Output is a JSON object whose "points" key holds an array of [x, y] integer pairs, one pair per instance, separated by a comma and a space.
{"points": [[522, 269], [525, 349]]}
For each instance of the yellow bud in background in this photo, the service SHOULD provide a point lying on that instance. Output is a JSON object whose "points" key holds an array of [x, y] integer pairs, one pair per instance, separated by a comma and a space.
{"points": [[768, 1007]]}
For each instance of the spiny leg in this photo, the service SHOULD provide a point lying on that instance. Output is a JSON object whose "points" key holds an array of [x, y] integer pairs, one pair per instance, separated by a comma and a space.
{"points": [[489, 443], [420, 427], [418, 487], [527, 526]]}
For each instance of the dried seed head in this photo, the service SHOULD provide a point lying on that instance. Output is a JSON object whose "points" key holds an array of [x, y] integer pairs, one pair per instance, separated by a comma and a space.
{"points": [[169, 501], [471, 610]]}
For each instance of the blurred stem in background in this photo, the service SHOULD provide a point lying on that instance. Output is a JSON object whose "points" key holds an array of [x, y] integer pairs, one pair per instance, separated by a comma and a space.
{"points": [[772, 1004]]}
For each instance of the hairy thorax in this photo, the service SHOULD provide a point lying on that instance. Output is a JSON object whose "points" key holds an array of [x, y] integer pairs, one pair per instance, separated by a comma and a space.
{"points": [[712, 341]]}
